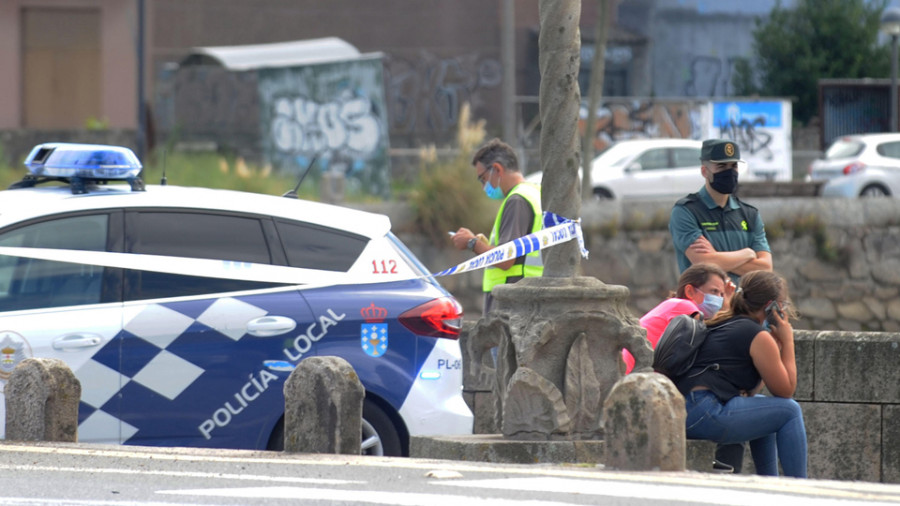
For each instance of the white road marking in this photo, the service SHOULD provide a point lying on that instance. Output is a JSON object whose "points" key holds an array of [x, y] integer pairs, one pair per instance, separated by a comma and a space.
{"points": [[182, 474], [16, 501], [356, 496], [693, 495]]}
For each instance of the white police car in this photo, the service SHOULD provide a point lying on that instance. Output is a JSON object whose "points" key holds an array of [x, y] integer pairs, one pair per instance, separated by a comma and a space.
{"points": [[183, 310]]}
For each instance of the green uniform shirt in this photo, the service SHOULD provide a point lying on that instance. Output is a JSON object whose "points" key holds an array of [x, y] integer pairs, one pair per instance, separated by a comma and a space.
{"points": [[734, 227]]}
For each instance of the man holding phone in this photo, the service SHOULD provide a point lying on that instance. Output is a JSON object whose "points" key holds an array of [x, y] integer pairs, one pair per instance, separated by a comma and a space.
{"points": [[497, 169]]}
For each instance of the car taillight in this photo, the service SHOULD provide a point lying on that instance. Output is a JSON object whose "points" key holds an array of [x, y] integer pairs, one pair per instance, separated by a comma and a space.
{"points": [[853, 168], [436, 318]]}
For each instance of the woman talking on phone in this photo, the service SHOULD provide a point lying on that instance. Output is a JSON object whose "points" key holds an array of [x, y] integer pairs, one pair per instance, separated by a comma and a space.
{"points": [[749, 345]]}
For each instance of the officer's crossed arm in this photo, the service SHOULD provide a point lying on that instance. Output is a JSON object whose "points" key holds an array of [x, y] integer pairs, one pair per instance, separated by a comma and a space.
{"points": [[762, 262], [739, 262]]}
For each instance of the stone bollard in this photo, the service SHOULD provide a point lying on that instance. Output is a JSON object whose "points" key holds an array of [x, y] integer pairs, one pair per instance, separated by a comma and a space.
{"points": [[644, 420], [42, 397], [323, 401]]}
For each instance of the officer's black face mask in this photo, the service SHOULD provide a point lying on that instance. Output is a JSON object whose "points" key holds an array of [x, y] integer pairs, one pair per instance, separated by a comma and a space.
{"points": [[725, 181]]}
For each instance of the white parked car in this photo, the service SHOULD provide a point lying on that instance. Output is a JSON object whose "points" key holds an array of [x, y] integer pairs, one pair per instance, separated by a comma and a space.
{"points": [[647, 168], [866, 165]]}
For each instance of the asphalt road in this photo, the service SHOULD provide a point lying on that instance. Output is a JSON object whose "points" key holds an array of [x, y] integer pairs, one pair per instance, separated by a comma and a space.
{"points": [[122, 475]]}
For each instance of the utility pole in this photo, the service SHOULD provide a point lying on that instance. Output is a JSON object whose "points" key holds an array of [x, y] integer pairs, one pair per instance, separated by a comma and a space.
{"points": [[141, 112], [595, 92], [508, 55], [559, 59]]}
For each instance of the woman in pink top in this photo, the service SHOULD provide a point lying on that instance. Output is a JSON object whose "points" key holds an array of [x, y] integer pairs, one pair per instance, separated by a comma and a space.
{"points": [[702, 289]]}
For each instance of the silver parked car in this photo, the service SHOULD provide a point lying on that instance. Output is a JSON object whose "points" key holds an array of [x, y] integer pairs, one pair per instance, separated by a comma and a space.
{"points": [[866, 165]]}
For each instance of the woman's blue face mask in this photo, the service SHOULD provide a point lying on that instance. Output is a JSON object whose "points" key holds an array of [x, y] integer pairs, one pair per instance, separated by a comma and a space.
{"points": [[711, 305]]}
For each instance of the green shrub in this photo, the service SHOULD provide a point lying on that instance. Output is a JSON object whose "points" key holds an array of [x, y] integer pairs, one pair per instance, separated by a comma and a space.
{"points": [[10, 174], [212, 170], [208, 170], [448, 195]]}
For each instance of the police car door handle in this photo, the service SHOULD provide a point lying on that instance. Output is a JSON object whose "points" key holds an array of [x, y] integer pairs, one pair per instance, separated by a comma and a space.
{"points": [[76, 341], [266, 326]]}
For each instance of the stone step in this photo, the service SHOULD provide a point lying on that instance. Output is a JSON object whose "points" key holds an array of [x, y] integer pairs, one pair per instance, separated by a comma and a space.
{"points": [[494, 448]]}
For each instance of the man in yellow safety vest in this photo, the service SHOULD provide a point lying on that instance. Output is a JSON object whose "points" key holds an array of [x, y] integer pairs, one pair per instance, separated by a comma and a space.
{"points": [[497, 169]]}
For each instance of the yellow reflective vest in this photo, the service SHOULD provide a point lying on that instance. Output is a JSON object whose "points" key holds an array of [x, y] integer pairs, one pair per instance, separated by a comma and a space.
{"points": [[533, 265]]}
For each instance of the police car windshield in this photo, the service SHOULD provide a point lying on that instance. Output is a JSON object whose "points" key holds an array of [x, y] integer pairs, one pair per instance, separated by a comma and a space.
{"points": [[411, 260]]}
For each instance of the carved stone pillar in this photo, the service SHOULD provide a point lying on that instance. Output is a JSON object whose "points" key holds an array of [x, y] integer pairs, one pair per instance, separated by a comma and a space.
{"points": [[560, 342]]}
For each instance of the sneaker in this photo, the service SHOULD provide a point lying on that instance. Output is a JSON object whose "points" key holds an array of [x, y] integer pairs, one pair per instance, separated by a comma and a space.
{"points": [[721, 467]]}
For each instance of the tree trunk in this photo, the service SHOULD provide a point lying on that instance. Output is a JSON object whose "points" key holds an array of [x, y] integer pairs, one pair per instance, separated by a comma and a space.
{"points": [[559, 58]]}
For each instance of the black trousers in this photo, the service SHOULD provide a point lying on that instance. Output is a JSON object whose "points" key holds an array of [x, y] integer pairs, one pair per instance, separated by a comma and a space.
{"points": [[732, 455]]}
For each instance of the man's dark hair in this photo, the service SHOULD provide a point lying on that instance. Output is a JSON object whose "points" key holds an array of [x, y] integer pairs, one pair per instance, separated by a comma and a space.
{"points": [[497, 151]]}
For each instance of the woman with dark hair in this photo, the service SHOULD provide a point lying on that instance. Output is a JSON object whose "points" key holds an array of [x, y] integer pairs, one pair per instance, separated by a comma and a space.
{"points": [[703, 289], [749, 345]]}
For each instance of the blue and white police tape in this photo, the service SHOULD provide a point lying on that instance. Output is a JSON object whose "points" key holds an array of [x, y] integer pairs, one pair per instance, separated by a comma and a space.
{"points": [[556, 230]]}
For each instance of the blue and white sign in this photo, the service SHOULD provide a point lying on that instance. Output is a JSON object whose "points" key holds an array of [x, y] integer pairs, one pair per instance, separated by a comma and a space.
{"points": [[767, 114], [762, 129]]}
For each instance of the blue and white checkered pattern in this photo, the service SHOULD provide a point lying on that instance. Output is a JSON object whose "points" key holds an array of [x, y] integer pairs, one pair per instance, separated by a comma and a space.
{"points": [[146, 355]]}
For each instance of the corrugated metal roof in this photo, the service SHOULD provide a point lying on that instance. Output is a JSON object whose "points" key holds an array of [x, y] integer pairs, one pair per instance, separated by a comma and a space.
{"points": [[280, 54]]}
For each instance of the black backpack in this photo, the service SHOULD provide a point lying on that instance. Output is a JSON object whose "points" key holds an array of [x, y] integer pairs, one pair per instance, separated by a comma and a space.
{"points": [[677, 348]]}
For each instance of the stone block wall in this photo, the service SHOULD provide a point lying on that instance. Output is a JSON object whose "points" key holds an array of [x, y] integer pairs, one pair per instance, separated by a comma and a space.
{"points": [[850, 391]]}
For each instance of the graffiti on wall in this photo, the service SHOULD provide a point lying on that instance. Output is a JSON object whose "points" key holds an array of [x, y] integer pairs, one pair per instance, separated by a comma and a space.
{"points": [[645, 120], [709, 76], [763, 132], [750, 134], [333, 113], [425, 92], [345, 127]]}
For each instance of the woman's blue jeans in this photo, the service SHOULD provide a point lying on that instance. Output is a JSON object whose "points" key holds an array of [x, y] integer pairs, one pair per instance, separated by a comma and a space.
{"points": [[768, 423]]}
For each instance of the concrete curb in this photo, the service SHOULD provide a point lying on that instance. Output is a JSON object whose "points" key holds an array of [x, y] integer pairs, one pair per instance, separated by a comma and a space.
{"points": [[494, 448]]}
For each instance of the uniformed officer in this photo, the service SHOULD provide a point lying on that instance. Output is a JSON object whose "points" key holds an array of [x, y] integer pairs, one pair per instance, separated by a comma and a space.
{"points": [[497, 169], [716, 227]]}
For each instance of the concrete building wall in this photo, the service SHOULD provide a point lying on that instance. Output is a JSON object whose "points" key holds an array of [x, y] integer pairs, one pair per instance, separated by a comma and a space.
{"points": [[10, 61], [694, 54], [117, 55], [438, 54]]}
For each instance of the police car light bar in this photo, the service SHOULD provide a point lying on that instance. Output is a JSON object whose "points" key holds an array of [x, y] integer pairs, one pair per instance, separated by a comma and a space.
{"points": [[78, 164], [86, 161]]}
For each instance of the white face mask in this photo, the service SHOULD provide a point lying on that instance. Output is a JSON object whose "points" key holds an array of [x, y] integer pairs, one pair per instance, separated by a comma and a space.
{"points": [[711, 305]]}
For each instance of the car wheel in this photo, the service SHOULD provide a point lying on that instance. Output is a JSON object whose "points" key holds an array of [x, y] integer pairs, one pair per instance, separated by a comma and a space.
{"points": [[379, 436], [602, 194], [875, 190], [276, 439]]}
